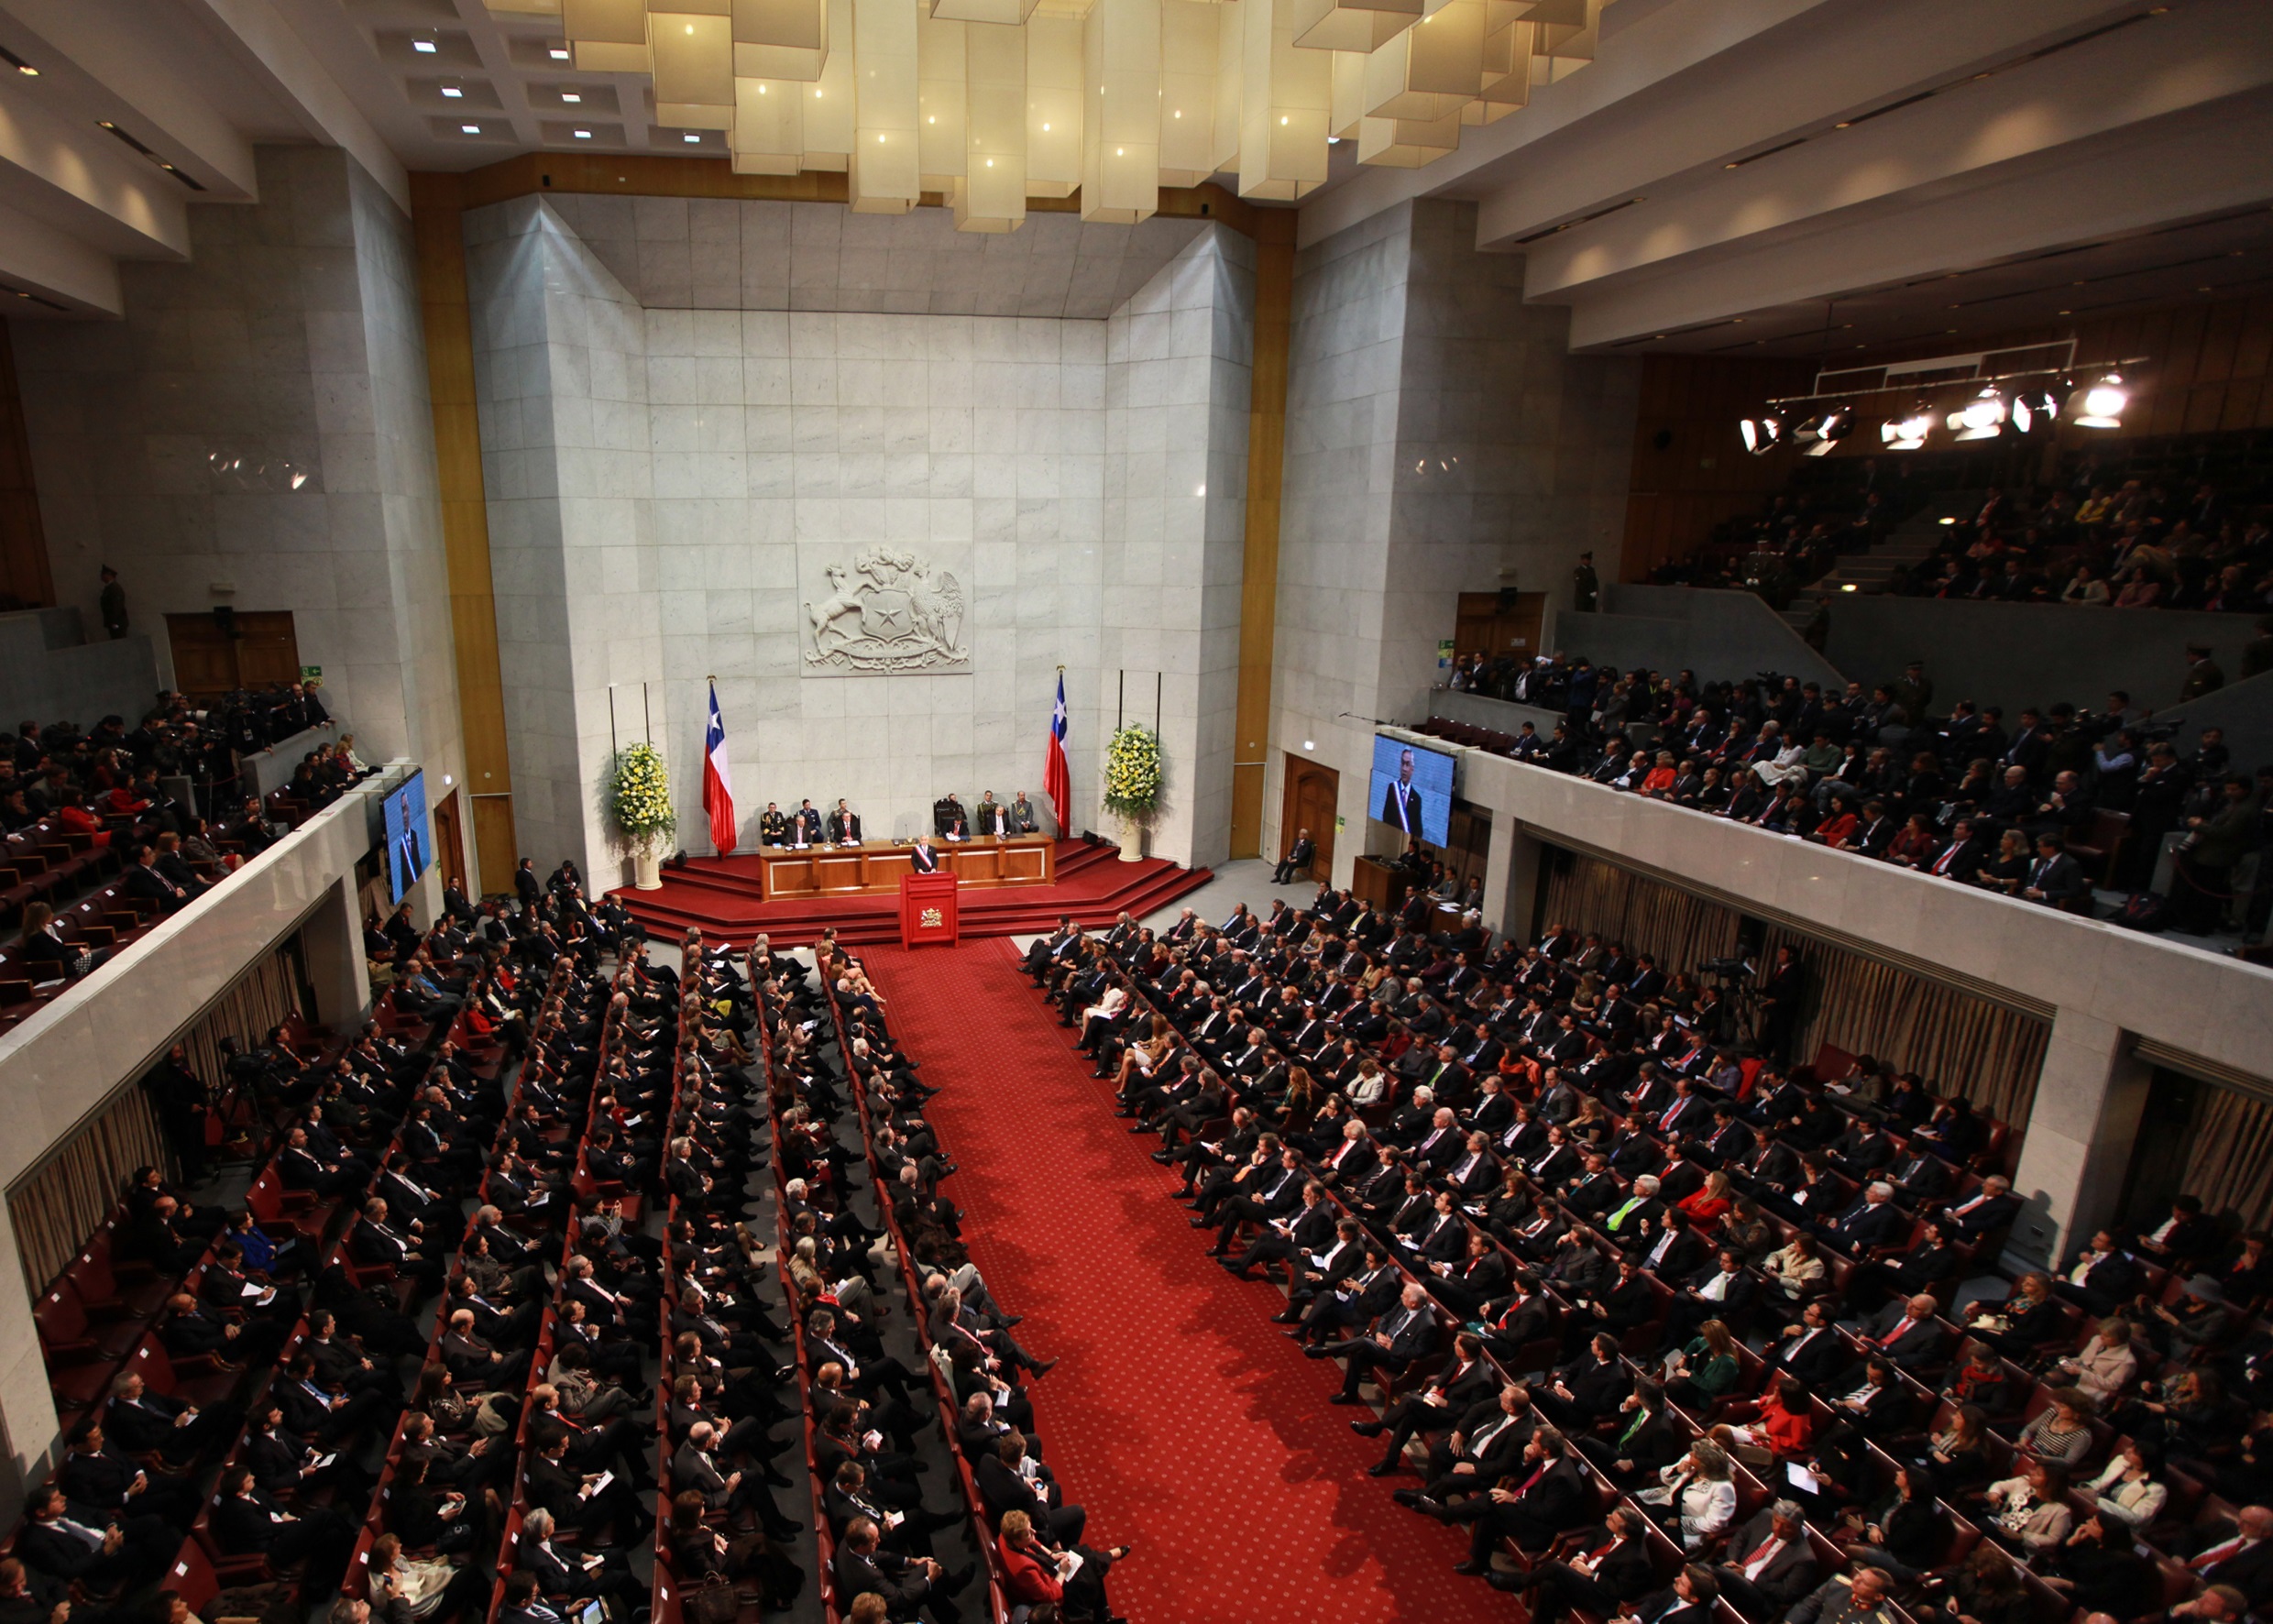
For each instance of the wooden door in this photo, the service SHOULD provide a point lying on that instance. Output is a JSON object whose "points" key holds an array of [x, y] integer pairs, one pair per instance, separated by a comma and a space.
{"points": [[1490, 625], [1312, 795], [209, 660], [204, 657], [449, 843], [267, 649]]}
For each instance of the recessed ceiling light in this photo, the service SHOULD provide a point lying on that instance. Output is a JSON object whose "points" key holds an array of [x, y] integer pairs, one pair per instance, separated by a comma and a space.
{"points": [[582, 135], [425, 47], [691, 138], [453, 91], [21, 66], [570, 95], [471, 129], [559, 53]]}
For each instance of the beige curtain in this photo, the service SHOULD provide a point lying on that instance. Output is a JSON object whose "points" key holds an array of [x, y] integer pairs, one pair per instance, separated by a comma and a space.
{"points": [[57, 1208], [1958, 1043], [2230, 1163], [1677, 929]]}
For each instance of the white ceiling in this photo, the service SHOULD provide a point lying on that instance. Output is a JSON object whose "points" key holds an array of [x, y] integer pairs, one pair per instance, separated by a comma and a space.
{"points": [[1764, 177]]}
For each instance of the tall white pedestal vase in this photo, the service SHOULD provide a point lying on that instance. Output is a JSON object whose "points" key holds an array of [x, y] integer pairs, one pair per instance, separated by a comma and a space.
{"points": [[637, 803], [1131, 787]]}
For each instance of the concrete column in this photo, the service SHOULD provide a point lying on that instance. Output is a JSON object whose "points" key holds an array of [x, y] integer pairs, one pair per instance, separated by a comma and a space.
{"points": [[333, 941], [2090, 1098], [1510, 878], [26, 1405]]}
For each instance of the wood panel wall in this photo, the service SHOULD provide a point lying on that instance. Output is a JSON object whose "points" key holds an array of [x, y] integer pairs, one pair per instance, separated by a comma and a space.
{"points": [[437, 202], [1701, 473], [2208, 370], [24, 578]]}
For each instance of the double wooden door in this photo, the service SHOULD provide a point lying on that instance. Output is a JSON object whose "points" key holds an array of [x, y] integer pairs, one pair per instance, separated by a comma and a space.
{"points": [[253, 649]]}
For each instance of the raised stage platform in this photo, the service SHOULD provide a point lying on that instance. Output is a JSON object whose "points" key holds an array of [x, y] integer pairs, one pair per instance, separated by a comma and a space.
{"points": [[725, 896]]}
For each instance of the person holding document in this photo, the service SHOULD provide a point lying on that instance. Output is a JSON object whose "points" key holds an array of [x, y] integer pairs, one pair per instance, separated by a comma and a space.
{"points": [[1034, 1572]]}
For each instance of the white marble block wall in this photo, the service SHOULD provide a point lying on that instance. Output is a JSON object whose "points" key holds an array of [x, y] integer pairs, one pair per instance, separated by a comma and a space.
{"points": [[1178, 357], [290, 343], [669, 486], [1440, 439], [561, 371]]}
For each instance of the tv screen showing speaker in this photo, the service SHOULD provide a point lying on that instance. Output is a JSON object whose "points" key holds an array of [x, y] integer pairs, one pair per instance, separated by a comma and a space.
{"points": [[409, 842], [1412, 789]]}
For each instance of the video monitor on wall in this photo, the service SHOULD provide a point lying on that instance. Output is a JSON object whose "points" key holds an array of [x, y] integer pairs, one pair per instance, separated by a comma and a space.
{"points": [[1412, 789], [408, 843]]}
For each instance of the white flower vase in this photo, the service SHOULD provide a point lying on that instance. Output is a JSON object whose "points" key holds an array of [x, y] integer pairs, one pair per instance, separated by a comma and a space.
{"points": [[647, 868], [1132, 838]]}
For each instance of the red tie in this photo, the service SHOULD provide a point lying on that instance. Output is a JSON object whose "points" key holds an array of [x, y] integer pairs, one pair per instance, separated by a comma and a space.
{"points": [[1895, 1336]]}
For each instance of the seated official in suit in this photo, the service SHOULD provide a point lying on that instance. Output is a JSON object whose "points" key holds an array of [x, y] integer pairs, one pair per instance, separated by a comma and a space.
{"points": [[1607, 1571], [844, 826], [1297, 861]]}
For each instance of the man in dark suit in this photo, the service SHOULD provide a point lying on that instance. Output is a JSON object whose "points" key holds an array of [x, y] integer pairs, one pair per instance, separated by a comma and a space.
{"points": [[2101, 1278], [1992, 1209], [1464, 1381], [1907, 1335], [1535, 1500], [1405, 1334], [409, 858], [1610, 1570], [54, 1542], [1768, 1565], [1873, 1220], [1401, 801], [1296, 862], [844, 826], [1688, 1600], [2056, 879], [1810, 1350], [144, 883], [2242, 1556], [921, 858], [905, 1583]]}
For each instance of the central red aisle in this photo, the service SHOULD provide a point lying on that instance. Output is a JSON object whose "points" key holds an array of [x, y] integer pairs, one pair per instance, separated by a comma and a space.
{"points": [[1180, 1417]]}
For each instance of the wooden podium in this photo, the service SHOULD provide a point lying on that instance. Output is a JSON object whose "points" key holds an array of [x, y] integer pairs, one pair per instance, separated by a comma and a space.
{"points": [[928, 909]]}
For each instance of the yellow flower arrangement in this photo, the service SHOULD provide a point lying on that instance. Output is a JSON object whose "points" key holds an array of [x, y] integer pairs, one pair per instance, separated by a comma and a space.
{"points": [[1133, 772]]}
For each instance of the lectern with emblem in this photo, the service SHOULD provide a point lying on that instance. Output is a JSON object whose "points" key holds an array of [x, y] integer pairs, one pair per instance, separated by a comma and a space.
{"points": [[928, 909]]}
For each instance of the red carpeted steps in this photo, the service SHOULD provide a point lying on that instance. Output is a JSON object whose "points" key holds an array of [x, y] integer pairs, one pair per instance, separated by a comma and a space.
{"points": [[1179, 1416], [721, 896]]}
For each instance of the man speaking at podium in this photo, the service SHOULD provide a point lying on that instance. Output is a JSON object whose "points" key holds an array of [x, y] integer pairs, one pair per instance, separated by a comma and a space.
{"points": [[1400, 804], [923, 859]]}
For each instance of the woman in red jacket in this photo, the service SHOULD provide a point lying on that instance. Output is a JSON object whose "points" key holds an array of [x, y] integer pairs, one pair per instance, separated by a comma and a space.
{"points": [[1032, 1570]]}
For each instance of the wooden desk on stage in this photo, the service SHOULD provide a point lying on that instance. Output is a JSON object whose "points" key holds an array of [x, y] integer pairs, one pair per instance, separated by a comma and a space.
{"points": [[853, 871]]}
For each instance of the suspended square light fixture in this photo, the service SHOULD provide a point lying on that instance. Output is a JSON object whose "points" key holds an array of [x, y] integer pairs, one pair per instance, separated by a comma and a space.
{"points": [[1433, 69], [939, 98], [1763, 433], [1506, 82], [1187, 91], [1329, 25], [769, 127], [2032, 407], [827, 102], [1053, 106], [991, 193], [693, 69], [1121, 111], [885, 179], [608, 36], [1286, 99], [780, 38]]}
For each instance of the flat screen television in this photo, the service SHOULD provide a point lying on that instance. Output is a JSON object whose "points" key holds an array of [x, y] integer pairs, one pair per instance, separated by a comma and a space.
{"points": [[408, 844], [1412, 789]]}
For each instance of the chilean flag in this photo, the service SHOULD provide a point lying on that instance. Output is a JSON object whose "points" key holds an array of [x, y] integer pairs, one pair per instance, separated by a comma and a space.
{"points": [[1056, 779], [717, 785]]}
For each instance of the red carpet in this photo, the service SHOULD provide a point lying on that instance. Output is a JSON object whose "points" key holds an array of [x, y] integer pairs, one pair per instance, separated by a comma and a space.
{"points": [[722, 896], [1180, 1418]]}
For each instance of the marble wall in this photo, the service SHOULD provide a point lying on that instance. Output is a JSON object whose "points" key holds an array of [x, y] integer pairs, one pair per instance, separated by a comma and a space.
{"points": [[258, 421], [1440, 439], [560, 372], [669, 486]]}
